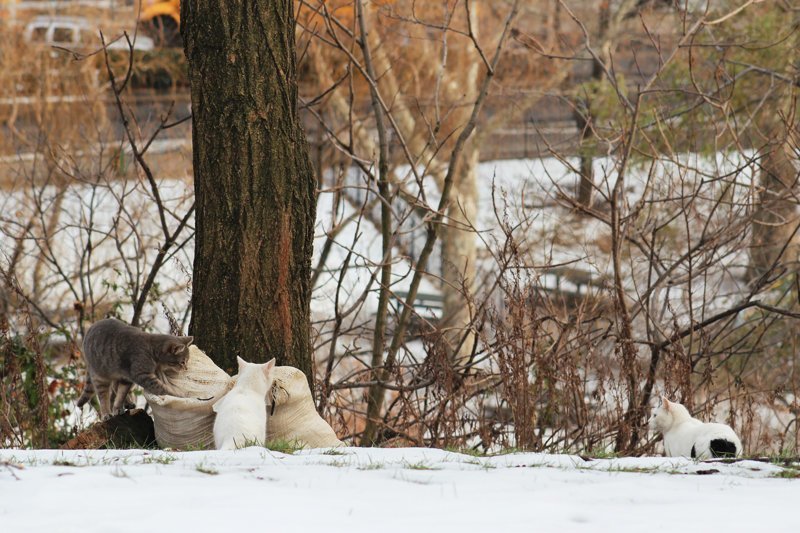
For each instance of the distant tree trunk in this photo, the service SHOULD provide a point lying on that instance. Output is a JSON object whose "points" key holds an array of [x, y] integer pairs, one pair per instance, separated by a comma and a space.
{"points": [[586, 177], [459, 246], [254, 184], [774, 238], [776, 216], [583, 113], [459, 256]]}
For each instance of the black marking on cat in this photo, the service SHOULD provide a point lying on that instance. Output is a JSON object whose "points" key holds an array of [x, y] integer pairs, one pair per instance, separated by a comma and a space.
{"points": [[694, 453], [722, 448]]}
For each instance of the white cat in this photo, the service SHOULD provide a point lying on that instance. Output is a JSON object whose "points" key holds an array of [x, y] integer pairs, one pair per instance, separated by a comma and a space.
{"points": [[685, 436], [242, 413]]}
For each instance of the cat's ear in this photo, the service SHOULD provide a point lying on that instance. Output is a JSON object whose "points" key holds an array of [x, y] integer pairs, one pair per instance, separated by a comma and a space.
{"points": [[665, 403], [268, 366], [175, 346], [242, 363], [186, 340]]}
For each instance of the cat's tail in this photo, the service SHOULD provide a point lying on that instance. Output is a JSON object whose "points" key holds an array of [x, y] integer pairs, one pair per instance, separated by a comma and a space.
{"points": [[722, 442], [723, 448], [88, 391]]}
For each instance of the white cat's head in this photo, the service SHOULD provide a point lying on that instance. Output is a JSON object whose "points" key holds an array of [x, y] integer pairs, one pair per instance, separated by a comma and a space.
{"points": [[252, 373], [266, 367], [667, 415]]}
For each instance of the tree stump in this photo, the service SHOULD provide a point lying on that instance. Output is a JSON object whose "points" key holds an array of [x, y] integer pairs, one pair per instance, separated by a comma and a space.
{"points": [[131, 429]]}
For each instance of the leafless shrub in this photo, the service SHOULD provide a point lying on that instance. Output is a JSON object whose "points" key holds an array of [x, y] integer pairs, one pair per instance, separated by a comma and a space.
{"points": [[650, 248], [580, 308], [87, 226]]}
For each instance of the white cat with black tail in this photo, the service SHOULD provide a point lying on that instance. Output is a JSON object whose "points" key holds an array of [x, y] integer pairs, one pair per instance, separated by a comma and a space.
{"points": [[685, 436], [242, 414]]}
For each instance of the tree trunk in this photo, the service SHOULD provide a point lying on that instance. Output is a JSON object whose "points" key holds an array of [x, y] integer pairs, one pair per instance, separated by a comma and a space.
{"points": [[254, 184], [583, 112], [459, 247], [459, 255], [774, 238], [775, 219], [587, 152]]}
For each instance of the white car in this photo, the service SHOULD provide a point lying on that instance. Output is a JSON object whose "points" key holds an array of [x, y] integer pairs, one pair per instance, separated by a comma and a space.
{"points": [[76, 32]]}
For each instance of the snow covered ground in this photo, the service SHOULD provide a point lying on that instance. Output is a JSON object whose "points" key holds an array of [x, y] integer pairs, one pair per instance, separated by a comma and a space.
{"points": [[385, 490]]}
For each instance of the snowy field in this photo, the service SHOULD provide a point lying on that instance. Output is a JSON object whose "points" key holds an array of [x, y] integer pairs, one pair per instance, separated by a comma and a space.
{"points": [[385, 490]]}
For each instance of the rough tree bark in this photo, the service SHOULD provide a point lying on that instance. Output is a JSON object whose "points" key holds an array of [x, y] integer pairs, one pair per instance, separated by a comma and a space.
{"points": [[254, 184]]}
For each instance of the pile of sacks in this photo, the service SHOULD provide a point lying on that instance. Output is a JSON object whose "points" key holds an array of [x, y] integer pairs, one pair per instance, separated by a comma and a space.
{"points": [[188, 421]]}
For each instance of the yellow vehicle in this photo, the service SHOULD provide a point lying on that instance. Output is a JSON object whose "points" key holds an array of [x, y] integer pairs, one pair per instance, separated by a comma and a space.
{"points": [[161, 20], [8, 11]]}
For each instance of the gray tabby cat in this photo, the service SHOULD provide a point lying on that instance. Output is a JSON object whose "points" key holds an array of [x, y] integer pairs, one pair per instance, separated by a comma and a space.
{"points": [[118, 355]]}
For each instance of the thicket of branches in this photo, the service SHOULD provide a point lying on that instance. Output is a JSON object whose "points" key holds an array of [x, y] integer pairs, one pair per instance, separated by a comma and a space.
{"points": [[541, 305]]}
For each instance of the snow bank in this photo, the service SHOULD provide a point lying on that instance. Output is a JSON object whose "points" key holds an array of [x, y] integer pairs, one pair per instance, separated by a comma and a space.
{"points": [[391, 489]]}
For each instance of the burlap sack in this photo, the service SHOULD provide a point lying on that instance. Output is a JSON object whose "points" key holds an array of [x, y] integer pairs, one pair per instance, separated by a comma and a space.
{"points": [[295, 418], [188, 422]]}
